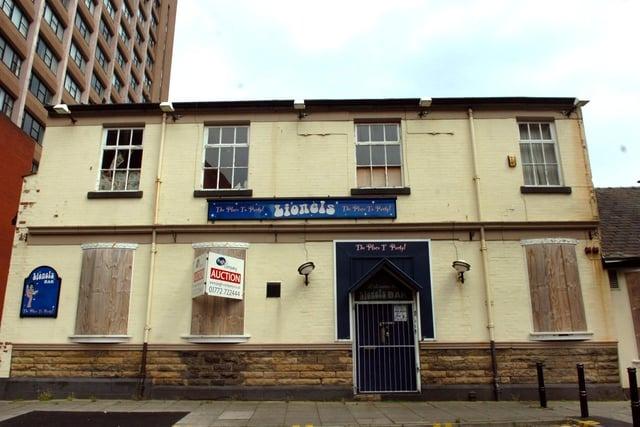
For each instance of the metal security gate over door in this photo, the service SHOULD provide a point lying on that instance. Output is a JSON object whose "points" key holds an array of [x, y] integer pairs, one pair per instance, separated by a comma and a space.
{"points": [[386, 354]]}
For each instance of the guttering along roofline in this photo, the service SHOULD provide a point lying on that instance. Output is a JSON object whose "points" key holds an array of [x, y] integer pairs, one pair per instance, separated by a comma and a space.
{"points": [[270, 106]]}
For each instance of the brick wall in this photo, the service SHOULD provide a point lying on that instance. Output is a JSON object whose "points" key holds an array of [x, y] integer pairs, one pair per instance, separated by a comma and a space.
{"points": [[16, 152], [315, 367]]}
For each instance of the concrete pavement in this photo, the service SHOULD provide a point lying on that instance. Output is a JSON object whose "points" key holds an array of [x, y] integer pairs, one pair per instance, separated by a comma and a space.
{"points": [[304, 414]]}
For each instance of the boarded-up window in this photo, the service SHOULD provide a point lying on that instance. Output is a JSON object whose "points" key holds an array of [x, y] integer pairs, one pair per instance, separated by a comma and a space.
{"points": [[105, 286], [212, 315], [556, 296]]}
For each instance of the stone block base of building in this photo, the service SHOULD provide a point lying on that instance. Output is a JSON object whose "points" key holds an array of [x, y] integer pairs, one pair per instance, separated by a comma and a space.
{"points": [[449, 371]]}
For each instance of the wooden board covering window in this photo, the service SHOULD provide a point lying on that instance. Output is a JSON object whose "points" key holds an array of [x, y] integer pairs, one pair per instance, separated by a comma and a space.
{"points": [[554, 283], [633, 287], [216, 315], [105, 286]]}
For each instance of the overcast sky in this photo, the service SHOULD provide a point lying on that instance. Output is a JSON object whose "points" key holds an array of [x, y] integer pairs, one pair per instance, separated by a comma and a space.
{"points": [[394, 49]]}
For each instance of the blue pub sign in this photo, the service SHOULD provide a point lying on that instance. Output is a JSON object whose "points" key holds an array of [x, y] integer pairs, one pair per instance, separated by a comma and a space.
{"points": [[308, 208], [41, 293]]}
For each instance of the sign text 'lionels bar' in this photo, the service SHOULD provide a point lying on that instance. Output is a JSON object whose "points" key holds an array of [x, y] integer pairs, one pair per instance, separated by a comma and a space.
{"points": [[315, 208], [218, 275]]}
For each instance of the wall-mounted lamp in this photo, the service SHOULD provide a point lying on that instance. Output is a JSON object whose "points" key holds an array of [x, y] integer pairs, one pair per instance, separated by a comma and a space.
{"points": [[299, 106], [306, 269], [424, 103], [167, 107], [461, 266], [63, 110]]}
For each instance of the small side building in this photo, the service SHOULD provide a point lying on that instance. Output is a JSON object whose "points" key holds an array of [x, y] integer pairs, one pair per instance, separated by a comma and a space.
{"points": [[620, 227]]}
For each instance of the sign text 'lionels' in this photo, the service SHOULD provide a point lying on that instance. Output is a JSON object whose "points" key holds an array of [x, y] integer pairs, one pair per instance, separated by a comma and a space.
{"points": [[218, 275]]}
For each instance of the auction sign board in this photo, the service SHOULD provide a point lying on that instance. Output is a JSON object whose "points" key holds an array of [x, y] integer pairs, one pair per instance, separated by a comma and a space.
{"points": [[41, 293], [218, 275]]}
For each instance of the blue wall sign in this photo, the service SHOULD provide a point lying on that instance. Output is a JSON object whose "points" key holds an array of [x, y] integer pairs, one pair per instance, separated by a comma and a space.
{"points": [[315, 208], [41, 293]]}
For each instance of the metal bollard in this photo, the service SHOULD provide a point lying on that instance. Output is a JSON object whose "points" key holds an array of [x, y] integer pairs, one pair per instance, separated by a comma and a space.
{"points": [[542, 392], [633, 393], [582, 387]]}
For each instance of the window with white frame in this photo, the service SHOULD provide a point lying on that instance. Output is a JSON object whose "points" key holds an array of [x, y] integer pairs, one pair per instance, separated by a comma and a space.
{"points": [[226, 158], [378, 155], [539, 153], [121, 160]]}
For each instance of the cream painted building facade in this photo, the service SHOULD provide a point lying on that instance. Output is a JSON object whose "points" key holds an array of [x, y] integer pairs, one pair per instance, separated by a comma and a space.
{"points": [[391, 192]]}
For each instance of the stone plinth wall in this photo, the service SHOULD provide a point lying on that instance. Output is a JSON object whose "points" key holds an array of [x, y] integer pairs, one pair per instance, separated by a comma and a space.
{"points": [[330, 367], [251, 368], [517, 365]]}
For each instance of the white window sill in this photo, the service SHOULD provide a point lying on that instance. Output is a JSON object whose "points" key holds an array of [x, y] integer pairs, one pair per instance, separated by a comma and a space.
{"points": [[100, 339], [561, 336], [216, 339]]}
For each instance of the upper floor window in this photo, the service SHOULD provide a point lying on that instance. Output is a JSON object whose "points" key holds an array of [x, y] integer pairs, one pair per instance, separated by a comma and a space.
{"points": [[46, 54], [54, 22], [146, 81], [77, 57], [16, 15], [105, 31], [141, 15], [39, 89], [6, 102], [101, 57], [32, 127], [133, 83], [121, 160], [539, 154], [109, 8], [97, 85], [136, 60], [378, 155], [123, 35], [226, 157], [90, 5], [120, 58], [10, 57], [82, 27], [126, 12], [72, 87], [116, 83]]}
